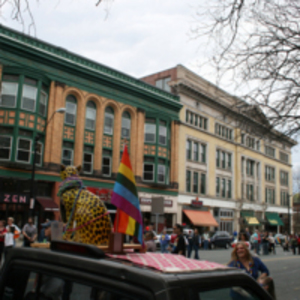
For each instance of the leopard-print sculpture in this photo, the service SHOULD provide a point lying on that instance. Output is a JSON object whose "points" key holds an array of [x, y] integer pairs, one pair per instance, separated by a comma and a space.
{"points": [[88, 207]]}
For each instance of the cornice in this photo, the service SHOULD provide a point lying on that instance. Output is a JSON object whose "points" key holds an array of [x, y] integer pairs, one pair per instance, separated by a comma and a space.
{"points": [[183, 87], [77, 63]]}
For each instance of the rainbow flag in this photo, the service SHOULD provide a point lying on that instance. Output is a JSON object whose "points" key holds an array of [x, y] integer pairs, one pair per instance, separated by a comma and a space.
{"points": [[278, 240], [129, 217]]}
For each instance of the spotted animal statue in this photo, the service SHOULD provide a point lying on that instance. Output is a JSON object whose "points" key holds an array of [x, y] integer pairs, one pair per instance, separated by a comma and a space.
{"points": [[87, 218]]}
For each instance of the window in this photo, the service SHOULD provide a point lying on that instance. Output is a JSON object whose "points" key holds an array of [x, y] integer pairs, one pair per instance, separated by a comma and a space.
{"points": [[218, 158], [250, 142], [223, 160], [43, 104], [187, 113], [8, 96], [284, 178], [218, 186], [229, 189], [196, 120], [249, 192], [270, 195], [161, 173], [188, 149], [243, 138], [203, 153], [250, 167], [28, 97], [88, 159], [192, 118], [284, 198], [71, 107], [163, 84], [39, 154], [223, 131], [203, 184], [188, 181], [126, 125], [269, 173], [90, 116], [162, 139], [284, 157], [223, 188], [228, 161], [106, 164], [148, 174], [109, 121], [150, 131], [195, 183], [5, 147], [23, 150], [196, 151], [67, 156], [270, 151], [258, 145]]}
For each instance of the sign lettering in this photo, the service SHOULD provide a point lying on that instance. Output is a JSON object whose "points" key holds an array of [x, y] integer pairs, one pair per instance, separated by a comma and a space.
{"points": [[14, 199], [148, 201]]}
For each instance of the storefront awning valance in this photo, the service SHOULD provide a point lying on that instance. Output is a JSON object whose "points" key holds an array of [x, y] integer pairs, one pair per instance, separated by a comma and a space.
{"points": [[245, 214], [252, 221], [274, 219], [201, 218], [47, 203]]}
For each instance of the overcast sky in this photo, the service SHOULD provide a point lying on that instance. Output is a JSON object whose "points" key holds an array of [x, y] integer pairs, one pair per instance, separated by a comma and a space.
{"points": [[137, 37]]}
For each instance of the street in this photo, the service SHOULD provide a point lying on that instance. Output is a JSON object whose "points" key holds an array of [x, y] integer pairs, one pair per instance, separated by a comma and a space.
{"points": [[284, 268]]}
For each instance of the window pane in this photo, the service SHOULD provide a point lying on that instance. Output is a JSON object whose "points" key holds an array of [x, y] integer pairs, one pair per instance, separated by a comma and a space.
{"points": [[161, 170], [43, 104], [126, 123], [23, 156], [108, 123], [106, 166], [5, 147], [150, 133], [148, 172], [9, 94], [90, 118], [162, 135], [29, 97], [70, 114]]}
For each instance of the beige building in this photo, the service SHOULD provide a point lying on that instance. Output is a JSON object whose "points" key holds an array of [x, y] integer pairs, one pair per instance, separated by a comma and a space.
{"points": [[233, 171]]}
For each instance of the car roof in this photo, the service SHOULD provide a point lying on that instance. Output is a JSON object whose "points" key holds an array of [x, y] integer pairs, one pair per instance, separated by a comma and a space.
{"points": [[118, 269]]}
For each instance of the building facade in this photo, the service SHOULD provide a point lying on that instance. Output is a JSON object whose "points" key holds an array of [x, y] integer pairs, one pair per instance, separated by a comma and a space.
{"points": [[104, 110], [231, 165]]}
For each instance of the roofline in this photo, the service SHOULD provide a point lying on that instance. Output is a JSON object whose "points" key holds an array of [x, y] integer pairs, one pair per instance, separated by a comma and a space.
{"points": [[86, 64]]}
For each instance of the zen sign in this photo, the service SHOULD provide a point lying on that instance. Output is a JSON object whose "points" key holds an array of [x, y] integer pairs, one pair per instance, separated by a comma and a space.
{"points": [[14, 199]]}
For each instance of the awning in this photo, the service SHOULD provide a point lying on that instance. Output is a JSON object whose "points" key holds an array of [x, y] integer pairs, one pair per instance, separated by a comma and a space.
{"points": [[245, 214], [201, 218], [252, 221], [47, 203], [274, 219]]}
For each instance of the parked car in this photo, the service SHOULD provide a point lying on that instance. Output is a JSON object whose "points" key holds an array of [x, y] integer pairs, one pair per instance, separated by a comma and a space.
{"points": [[220, 239], [78, 271]]}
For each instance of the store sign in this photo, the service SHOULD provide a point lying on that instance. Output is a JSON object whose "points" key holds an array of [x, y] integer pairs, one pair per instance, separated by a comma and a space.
{"points": [[148, 201], [103, 194], [197, 203], [14, 199]]}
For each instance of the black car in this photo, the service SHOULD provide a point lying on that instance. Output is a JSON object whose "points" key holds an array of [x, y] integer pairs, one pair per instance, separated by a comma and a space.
{"points": [[72, 271], [220, 239]]}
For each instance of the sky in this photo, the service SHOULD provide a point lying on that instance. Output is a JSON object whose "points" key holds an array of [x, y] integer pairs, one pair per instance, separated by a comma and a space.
{"points": [[133, 36]]}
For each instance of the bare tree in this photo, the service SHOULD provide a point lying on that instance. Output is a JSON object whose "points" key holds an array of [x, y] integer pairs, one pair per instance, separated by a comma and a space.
{"points": [[21, 12], [257, 43]]}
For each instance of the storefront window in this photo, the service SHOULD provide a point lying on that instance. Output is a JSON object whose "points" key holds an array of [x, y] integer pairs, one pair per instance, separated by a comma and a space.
{"points": [[23, 150], [5, 147]]}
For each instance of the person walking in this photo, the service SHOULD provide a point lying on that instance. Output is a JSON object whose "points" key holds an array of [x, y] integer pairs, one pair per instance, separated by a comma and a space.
{"points": [[12, 229], [190, 243], [241, 258], [247, 233], [298, 241], [206, 240], [196, 243], [149, 242], [164, 241], [265, 243], [30, 232], [293, 243], [254, 240], [243, 237], [272, 246], [179, 243], [2, 237]]}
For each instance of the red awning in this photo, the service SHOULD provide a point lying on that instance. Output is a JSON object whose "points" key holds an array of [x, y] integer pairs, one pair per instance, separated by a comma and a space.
{"points": [[47, 203], [201, 218]]}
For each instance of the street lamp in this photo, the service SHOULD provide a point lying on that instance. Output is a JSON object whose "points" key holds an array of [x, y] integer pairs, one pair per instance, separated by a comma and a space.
{"points": [[36, 139], [289, 213]]}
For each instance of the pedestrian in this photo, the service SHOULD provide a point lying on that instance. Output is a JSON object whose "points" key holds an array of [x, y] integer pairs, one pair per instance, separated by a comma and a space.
{"points": [[243, 237], [265, 243], [149, 242], [196, 243], [285, 244], [247, 233], [164, 241], [254, 240], [190, 243], [268, 284], [30, 232], [206, 240], [2, 237], [179, 243], [241, 258], [298, 241], [235, 234], [272, 246], [293, 243], [13, 228]]}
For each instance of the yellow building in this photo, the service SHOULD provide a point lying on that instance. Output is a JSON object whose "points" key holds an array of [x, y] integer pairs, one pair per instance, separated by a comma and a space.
{"points": [[233, 170]]}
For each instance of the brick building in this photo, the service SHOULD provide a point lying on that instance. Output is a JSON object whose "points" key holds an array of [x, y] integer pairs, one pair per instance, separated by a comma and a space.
{"points": [[104, 109]]}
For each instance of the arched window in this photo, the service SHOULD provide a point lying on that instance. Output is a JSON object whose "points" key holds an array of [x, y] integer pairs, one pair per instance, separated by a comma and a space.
{"points": [[71, 108], [109, 121], [90, 116], [126, 124]]}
